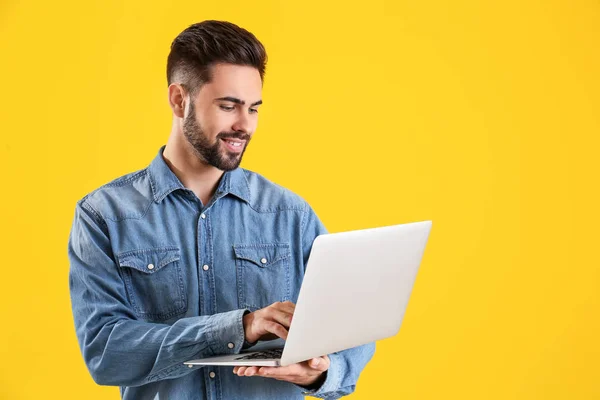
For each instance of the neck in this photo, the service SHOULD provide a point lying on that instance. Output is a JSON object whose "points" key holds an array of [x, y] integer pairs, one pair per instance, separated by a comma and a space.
{"points": [[194, 174]]}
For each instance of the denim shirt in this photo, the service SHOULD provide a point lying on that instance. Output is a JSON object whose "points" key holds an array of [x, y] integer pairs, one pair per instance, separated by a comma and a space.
{"points": [[157, 278]]}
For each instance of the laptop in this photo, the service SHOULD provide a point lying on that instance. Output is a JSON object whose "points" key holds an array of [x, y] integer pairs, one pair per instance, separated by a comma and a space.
{"points": [[355, 291]]}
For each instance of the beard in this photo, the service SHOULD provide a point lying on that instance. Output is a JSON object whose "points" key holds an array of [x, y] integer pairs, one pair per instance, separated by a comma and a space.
{"points": [[212, 153]]}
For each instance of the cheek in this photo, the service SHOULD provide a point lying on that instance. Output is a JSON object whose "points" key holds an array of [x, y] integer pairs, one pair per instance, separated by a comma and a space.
{"points": [[254, 123], [208, 124], [219, 122]]}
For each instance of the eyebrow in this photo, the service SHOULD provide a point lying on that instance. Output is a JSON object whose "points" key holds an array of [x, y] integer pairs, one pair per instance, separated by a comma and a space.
{"points": [[238, 101]]}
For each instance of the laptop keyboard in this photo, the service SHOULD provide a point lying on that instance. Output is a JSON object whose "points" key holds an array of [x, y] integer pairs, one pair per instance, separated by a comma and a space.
{"points": [[263, 355]]}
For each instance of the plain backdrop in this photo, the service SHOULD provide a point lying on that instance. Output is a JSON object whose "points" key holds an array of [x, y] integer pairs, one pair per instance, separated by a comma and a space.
{"points": [[481, 116]]}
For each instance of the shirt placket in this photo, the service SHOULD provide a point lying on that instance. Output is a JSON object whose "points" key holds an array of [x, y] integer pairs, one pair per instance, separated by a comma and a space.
{"points": [[208, 298]]}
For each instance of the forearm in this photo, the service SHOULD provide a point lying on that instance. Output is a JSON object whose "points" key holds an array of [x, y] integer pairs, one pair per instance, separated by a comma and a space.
{"points": [[132, 353]]}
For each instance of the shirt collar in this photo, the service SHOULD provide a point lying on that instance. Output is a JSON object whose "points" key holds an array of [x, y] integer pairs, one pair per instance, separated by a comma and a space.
{"points": [[163, 181]]}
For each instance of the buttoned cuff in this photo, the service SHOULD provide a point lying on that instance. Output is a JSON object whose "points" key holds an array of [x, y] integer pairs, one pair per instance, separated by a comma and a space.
{"points": [[226, 331], [332, 380]]}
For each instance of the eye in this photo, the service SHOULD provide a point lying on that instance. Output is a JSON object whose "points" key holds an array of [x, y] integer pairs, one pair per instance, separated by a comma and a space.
{"points": [[253, 111], [226, 108]]}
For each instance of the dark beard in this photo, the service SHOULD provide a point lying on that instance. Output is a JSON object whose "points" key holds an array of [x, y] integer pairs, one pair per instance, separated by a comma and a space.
{"points": [[210, 152]]}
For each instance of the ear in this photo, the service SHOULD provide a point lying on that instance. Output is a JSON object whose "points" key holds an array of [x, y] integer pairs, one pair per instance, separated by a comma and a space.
{"points": [[177, 101]]}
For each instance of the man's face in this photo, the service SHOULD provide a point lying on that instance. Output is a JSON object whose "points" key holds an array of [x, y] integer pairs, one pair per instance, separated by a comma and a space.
{"points": [[223, 116]]}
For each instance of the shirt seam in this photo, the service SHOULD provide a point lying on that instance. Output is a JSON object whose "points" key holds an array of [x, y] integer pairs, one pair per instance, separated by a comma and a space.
{"points": [[87, 206]]}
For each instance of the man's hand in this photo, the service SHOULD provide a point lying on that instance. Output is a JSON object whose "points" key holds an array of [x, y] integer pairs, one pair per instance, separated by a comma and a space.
{"points": [[269, 323], [304, 374]]}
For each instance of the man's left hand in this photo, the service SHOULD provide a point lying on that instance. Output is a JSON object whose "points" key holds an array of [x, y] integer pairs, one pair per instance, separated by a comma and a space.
{"points": [[304, 374]]}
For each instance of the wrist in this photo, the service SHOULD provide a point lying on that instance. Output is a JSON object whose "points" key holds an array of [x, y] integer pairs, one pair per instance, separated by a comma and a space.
{"points": [[247, 323], [315, 382]]}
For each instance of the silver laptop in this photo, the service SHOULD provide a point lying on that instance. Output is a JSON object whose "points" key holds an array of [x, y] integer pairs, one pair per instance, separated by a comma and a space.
{"points": [[355, 291]]}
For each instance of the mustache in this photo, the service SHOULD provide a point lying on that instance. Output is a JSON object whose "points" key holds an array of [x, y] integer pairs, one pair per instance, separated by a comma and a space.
{"points": [[234, 135]]}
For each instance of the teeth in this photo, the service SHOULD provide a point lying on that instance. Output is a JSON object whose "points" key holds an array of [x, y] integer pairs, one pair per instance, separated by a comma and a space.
{"points": [[236, 144]]}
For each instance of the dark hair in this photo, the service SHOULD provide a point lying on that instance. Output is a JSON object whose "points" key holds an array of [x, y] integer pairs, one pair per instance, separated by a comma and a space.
{"points": [[195, 50]]}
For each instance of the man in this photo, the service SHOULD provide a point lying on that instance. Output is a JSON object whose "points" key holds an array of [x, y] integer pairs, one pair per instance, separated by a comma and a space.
{"points": [[193, 256]]}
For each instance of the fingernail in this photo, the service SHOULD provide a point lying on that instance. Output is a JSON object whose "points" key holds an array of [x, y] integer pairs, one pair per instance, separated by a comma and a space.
{"points": [[315, 362]]}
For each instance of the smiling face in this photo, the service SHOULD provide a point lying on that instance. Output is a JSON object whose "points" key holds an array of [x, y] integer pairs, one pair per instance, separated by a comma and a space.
{"points": [[222, 117]]}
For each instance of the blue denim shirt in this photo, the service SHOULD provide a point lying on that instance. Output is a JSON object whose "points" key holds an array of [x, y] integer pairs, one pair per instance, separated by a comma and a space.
{"points": [[157, 278]]}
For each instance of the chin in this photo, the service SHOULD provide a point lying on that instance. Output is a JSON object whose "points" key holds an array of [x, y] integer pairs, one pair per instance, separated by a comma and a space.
{"points": [[232, 164]]}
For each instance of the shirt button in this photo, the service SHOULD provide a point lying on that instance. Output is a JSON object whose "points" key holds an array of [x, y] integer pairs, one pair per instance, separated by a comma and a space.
{"points": [[203, 216], [190, 366], [230, 345], [212, 375], [263, 260], [205, 267], [150, 266]]}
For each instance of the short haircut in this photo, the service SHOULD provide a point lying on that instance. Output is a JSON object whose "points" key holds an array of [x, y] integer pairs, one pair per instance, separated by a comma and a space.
{"points": [[202, 45]]}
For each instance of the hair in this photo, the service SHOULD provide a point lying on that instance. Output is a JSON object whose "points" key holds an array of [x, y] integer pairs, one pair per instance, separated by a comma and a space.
{"points": [[202, 45]]}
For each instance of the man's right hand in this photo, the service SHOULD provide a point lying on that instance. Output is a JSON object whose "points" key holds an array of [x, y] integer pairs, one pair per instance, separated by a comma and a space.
{"points": [[269, 323]]}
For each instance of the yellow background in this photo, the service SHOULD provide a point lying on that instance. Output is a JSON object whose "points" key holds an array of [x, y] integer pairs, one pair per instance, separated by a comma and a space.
{"points": [[481, 116]]}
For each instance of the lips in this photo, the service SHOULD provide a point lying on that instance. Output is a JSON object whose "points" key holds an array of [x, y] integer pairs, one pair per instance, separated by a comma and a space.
{"points": [[234, 145]]}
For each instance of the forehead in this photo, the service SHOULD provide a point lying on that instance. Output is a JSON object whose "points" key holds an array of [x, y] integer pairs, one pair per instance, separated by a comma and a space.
{"points": [[238, 81]]}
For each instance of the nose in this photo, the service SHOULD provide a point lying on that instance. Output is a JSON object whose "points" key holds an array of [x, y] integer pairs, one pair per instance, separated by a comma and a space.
{"points": [[243, 123]]}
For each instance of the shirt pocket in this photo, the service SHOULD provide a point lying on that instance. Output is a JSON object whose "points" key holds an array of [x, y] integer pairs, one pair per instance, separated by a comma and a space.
{"points": [[263, 274], [154, 282]]}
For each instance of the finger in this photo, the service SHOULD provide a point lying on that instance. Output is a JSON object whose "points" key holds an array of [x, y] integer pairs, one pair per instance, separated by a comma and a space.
{"points": [[275, 372], [286, 306], [319, 364], [251, 371], [282, 317], [290, 308], [276, 329], [241, 370]]}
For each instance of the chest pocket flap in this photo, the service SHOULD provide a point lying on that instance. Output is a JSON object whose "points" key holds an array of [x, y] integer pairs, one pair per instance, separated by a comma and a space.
{"points": [[263, 255], [149, 261]]}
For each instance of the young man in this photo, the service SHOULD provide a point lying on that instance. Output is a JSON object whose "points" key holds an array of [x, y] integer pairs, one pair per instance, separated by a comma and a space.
{"points": [[194, 256]]}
